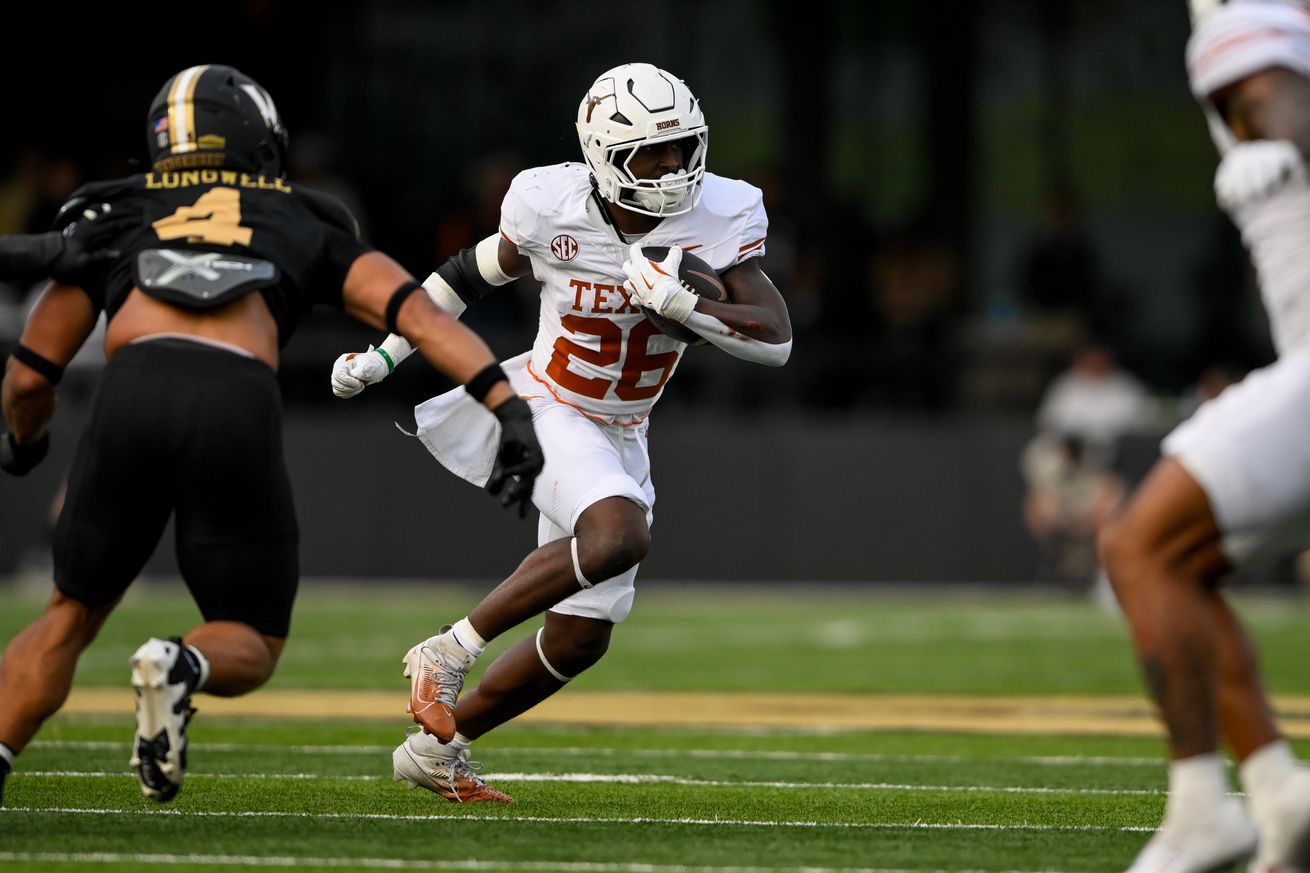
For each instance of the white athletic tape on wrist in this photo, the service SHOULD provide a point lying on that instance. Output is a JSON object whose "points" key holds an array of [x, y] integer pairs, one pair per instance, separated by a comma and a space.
{"points": [[397, 347], [488, 252], [550, 669], [443, 295], [577, 565]]}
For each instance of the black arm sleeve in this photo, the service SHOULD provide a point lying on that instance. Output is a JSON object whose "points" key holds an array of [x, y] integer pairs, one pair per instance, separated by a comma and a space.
{"points": [[461, 273], [29, 257]]}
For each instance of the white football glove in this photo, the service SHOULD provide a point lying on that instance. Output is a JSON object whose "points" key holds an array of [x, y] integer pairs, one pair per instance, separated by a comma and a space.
{"points": [[353, 372], [1253, 170], [656, 286]]}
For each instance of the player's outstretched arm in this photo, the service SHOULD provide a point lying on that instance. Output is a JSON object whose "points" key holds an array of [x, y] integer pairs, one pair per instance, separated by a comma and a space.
{"points": [[464, 278], [379, 292], [60, 322], [68, 256]]}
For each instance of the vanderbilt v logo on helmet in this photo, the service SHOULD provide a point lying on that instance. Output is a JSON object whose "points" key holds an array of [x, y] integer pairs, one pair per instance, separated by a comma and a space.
{"points": [[636, 105], [215, 116]]}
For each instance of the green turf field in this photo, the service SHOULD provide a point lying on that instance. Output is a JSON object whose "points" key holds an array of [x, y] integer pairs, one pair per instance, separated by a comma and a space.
{"points": [[293, 793]]}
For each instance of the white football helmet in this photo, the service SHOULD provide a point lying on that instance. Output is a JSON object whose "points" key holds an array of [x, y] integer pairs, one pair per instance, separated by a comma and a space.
{"points": [[635, 105]]}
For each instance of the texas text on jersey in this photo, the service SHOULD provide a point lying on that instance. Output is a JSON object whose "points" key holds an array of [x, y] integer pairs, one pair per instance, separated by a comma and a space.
{"points": [[595, 349]]}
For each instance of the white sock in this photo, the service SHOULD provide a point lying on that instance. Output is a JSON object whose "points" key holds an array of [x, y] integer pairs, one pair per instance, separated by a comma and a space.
{"points": [[1197, 785], [8, 755], [1266, 769], [426, 744], [467, 637], [430, 746]]}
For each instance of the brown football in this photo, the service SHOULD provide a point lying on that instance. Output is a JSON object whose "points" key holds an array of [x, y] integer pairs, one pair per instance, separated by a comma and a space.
{"points": [[696, 276]]}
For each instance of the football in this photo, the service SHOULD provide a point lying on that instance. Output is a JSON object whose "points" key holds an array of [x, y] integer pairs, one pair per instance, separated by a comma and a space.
{"points": [[696, 276]]}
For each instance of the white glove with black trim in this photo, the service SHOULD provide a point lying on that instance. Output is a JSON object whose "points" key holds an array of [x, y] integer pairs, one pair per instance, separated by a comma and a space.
{"points": [[656, 285], [354, 371], [1251, 171]]}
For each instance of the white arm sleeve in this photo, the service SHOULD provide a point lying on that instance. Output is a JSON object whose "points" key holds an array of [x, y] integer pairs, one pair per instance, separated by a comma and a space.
{"points": [[738, 344]]}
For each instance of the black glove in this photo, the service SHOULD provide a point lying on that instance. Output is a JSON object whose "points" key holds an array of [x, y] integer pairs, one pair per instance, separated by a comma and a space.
{"points": [[18, 460], [519, 458], [86, 242]]}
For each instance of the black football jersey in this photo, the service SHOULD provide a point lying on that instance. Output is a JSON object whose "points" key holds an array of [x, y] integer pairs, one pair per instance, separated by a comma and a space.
{"points": [[310, 236]]}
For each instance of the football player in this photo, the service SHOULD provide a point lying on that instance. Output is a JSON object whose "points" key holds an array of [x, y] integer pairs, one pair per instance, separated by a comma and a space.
{"points": [[594, 373], [1234, 482], [203, 267]]}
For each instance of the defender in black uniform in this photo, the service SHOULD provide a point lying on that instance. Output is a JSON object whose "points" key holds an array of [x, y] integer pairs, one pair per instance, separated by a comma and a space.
{"points": [[204, 267]]}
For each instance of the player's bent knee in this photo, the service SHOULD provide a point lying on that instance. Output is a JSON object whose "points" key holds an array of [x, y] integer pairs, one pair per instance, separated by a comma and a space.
{"points": [[612, 541], [570, 645], [1120, 552]]}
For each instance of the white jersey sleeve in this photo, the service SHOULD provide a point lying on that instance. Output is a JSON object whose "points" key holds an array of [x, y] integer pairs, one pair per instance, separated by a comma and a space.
{"points": [[520, 216], [730, 223]]}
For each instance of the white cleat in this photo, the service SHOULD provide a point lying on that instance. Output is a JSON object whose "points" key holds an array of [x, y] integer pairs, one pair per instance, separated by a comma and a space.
{"points": [[451, 776], [436, 669], [1284, 826], [163, 709], [1222, 842]]}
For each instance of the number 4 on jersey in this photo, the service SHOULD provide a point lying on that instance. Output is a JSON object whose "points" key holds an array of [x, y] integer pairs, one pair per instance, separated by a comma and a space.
{"points": [[214, 218]]}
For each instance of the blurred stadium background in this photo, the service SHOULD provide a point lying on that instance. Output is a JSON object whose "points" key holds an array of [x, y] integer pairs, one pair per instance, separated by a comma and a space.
{"points": [[962, 194]]}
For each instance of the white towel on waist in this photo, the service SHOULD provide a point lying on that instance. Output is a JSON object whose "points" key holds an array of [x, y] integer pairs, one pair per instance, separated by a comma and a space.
{"points": [[460, 432]]}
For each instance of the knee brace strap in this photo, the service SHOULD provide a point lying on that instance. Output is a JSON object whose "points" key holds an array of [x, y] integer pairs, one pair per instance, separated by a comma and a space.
{"points": [[550, 669], [577, 565]]}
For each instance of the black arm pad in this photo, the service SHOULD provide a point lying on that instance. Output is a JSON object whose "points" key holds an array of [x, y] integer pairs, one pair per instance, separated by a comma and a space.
{"points": [[29, 256], [461, 273], [43, 365], [398, 298], [484, 380]]}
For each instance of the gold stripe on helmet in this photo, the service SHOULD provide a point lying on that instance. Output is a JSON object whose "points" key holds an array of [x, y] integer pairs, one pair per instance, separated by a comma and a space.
{"points": [[182, 109]]}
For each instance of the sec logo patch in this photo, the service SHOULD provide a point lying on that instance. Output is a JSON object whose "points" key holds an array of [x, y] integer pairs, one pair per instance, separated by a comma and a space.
{"points": [[564, 247]]}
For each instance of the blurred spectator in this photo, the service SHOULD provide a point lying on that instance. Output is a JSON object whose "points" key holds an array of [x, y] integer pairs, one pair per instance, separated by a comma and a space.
{"points": [[1058, 273], [1096, 401], [911, 347], [1069, 493], [1072, 480]]}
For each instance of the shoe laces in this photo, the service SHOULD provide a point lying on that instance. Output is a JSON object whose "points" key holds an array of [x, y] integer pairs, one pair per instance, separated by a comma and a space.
{"points": [[463, 765], [449, 681]]}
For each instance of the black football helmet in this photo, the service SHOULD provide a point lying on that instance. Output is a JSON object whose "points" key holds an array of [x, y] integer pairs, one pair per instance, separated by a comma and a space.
{"points": [[215, 116]]}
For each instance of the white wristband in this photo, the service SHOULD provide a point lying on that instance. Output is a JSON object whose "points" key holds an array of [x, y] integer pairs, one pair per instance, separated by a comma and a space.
{"points": [[397, 348], [488, 252], [443, 295]]}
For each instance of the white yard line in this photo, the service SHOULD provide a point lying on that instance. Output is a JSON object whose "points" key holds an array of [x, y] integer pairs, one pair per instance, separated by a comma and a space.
{"points": [[463, 819], [605, 751], [642, 779], [408, 864]]}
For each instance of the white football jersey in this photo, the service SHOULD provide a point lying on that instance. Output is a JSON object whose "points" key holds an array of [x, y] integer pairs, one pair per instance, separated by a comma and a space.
{"points": [[1239, 40], [595, 349]]}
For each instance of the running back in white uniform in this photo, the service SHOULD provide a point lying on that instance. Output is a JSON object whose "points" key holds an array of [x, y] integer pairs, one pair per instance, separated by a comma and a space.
{"points": [[1249, 449], [595, 349], [598, 364]]}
